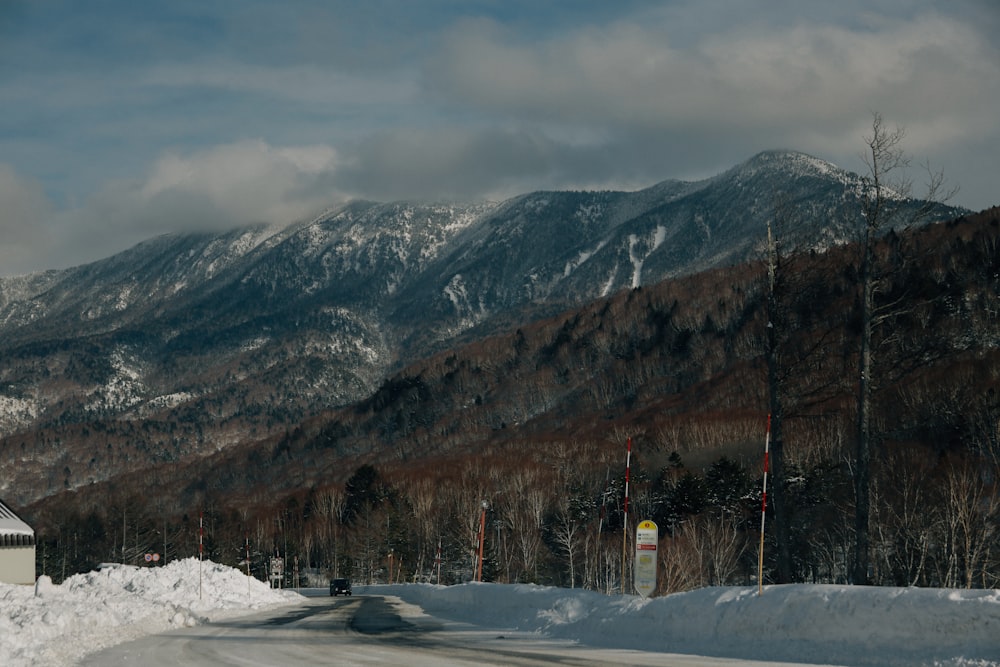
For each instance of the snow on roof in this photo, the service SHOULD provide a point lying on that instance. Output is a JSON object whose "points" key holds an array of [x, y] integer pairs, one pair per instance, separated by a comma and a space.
{"points": [[11, 524]]}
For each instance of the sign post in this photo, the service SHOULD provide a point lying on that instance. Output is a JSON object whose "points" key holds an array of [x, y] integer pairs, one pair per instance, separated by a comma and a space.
{"points": [[277, 572], [646, 539]]}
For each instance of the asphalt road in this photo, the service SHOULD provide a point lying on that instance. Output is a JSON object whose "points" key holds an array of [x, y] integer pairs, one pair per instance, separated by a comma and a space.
{"points": [[368, 630]]}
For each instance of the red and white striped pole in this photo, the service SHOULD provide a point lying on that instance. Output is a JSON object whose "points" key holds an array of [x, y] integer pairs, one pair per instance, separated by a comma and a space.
{"points": [[628, 464], [763, 509], [201, 547]]}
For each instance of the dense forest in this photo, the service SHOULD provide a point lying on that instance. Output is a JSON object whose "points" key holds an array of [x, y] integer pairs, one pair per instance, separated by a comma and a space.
{"points": [[518, 442]]}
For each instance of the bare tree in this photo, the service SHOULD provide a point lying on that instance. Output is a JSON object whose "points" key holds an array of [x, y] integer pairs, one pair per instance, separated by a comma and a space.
{"points": [[427, 514], [520, 507], [885, 204], [567, 531], [330, 507], [724, 546], [680, 557], [909, 519], [795, 343], [972, 510], [775, 384]]}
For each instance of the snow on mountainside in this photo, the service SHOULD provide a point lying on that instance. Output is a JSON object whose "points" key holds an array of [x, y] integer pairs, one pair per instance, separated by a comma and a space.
{"points": [[211, 339]]}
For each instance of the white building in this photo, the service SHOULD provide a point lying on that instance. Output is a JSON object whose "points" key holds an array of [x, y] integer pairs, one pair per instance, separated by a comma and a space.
{"points": [[17, 549]]}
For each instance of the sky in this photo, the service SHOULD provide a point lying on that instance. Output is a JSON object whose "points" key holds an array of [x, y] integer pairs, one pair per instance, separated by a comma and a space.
{"points": [[55, 625], [124, 120]]}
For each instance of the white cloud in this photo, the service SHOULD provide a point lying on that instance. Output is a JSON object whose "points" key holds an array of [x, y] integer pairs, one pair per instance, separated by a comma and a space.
{"points": [[749, 77], [433, 105], [666, 96], [209, 190], [215, 188], [450, 162], [247, 181], [23, 215]]}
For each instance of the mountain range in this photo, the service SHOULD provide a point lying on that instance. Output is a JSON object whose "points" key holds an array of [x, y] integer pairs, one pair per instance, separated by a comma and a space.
{"points": [[189, 344]]}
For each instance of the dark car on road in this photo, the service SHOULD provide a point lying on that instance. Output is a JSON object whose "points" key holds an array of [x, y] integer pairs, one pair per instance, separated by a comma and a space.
{"points": [[340, 587]]}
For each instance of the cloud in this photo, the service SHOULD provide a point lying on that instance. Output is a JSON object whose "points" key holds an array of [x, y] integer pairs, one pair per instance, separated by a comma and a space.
{"points": [[244, 182], [450, 163], [194, 119], [23, 215], [210, 190], [240, 183], [806, 78]]}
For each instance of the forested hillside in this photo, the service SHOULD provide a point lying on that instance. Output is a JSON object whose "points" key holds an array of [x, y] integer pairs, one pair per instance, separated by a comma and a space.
{"points": [[535, 422], [191, 343]]}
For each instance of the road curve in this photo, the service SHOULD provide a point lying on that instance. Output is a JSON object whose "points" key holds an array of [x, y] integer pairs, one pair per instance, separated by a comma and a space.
{"points": [[368, 630]]}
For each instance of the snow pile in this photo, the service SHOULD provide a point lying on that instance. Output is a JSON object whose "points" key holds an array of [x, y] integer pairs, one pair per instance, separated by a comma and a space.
{"points": [[827, 624], [56, 625]]}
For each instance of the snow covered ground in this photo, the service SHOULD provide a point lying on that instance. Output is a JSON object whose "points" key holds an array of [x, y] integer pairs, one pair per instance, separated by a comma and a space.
{"points": [[56, 625], [838, 625], [817, 624]]}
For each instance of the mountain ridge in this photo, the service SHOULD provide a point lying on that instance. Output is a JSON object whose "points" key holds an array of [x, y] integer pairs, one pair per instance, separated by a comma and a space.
{"points": [[201, 341]]}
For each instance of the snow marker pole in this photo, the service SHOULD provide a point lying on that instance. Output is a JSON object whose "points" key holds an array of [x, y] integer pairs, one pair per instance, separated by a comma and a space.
{"points": [[482, 541], [763, 510], [247, 536], [201, 547], [438, 559], [628, 463]]}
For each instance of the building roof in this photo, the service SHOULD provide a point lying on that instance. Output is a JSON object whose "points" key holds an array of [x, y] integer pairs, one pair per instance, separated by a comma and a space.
{"points": [[11, 524]]}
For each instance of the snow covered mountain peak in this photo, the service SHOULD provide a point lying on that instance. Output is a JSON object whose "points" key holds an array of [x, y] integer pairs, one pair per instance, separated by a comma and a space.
{"points": [[320, 311], [787, 163]]}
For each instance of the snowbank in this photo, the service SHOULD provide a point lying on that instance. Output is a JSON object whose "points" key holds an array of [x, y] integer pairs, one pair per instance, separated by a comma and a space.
{"points": [[56, 625], [844, 625]]}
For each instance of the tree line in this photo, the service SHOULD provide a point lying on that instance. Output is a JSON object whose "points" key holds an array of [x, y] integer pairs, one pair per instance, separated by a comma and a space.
{"points": [[881, 380], [559, 521]]}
